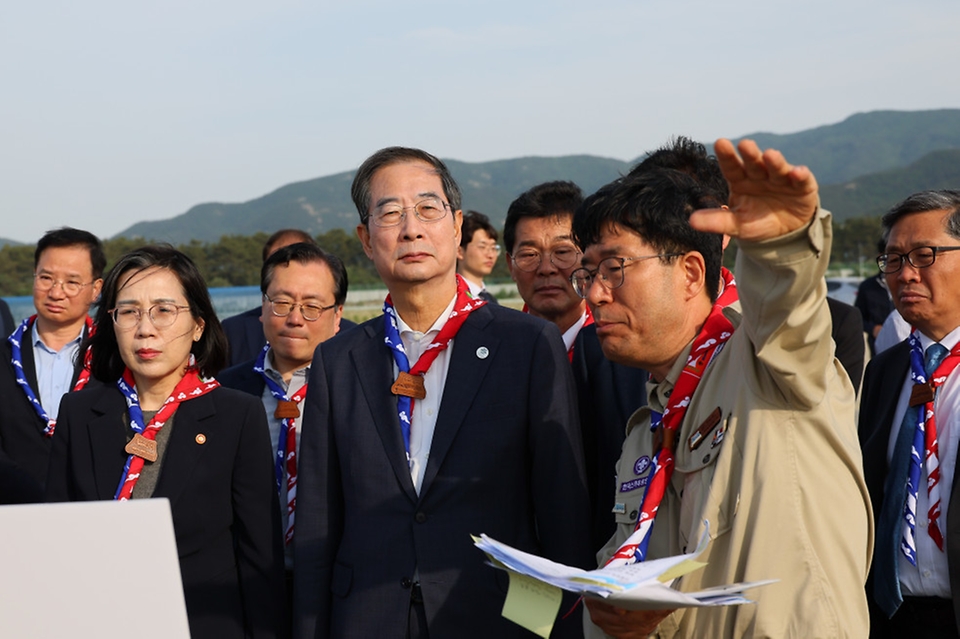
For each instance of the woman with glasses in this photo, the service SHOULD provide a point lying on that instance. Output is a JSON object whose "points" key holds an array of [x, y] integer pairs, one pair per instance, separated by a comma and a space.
{"points": [[161, 426]]}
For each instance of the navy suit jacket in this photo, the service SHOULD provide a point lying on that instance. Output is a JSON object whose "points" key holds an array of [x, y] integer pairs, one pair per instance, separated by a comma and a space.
{"points": [[608, 394], [885, 376], [221, 491], [21, 429], [505, 460], [243, 378]]}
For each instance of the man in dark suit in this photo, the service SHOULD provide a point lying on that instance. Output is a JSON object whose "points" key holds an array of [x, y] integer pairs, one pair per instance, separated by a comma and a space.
{"points": [[909, 418], [387, 502], [44, 351], [304, 288], [244, 331]]}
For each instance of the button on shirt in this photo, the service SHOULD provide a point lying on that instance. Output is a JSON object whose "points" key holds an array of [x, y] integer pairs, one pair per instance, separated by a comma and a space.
{"points": [[930, 577], [54, 370], [425, 410], [297, 381]]}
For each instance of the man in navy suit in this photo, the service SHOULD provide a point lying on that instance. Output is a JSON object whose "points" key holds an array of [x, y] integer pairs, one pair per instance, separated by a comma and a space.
{"points": [[304, 288], [914, 584], [388, 500], [44, 351]]}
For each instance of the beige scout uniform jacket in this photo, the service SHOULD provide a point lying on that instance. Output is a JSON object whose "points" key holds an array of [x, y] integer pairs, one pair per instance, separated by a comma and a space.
{"points": [[779, 477]]}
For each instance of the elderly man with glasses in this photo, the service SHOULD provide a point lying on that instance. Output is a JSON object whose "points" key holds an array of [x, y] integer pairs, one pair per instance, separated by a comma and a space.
{"points": [[42, 358], [909, 419], [444, 417]]}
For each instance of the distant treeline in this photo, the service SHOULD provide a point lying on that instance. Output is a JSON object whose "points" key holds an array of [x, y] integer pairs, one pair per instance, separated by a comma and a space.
{"points": [[235, 259]]}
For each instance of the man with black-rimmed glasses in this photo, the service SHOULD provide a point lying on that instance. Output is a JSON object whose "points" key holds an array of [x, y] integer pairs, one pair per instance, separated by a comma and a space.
{"points": [[41, 358]]}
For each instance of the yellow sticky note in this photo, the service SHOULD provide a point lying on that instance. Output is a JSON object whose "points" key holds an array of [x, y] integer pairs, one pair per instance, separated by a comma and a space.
{"points": [[531, 604], [681, 569]]}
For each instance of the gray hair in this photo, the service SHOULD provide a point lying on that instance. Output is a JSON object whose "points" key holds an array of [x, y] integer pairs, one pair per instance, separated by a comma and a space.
{"points": [[922, 202]]}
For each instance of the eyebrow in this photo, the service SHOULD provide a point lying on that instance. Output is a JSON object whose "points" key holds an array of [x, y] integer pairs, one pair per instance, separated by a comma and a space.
{"points": [[555, 240], [45, 271], [390, 200], [154, 301]]}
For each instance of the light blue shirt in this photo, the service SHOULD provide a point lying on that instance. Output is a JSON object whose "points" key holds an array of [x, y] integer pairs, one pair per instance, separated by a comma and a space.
{"points": [[54, 370]]}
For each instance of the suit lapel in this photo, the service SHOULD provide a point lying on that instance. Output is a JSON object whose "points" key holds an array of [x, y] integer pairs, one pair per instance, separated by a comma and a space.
{"points": [[468, 366], [373, 365], [886, 401], [183, 449], [108, 437]]}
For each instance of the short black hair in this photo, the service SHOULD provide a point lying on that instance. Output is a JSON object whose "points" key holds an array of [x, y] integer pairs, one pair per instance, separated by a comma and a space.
{"points": [[67, 236], [655, 204], [690, 157], [474, 221], [306, 253], [210, 350], [360, 190], [922, 202], [302, 236], [543, 200]]}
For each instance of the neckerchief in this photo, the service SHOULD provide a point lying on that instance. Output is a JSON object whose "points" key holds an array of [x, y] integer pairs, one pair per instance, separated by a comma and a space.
{"points": [[728, 288], [16, 339], [190, 387], [287, 442], [462, 307], [706, 346], [925, 441]]}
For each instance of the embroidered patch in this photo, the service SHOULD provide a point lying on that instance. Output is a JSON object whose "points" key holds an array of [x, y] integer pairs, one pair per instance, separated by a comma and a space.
{"points": [[619, 508], [633, 484], [718, 436], [641, 466]]}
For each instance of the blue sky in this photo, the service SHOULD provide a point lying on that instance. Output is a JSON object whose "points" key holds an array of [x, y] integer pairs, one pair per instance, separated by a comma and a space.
{"points": [[114, 112]]}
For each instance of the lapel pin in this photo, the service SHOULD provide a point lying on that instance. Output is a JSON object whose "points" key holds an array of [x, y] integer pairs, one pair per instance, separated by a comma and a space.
{"points": [[201, 439], [483, 352]]}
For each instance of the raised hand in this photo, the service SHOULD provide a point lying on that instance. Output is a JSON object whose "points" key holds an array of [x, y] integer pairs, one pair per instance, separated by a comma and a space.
{"points": [[769, 197]]}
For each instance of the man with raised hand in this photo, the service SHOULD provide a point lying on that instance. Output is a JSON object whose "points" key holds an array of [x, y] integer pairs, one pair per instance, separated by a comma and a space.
{"points": [[443, 418], [41, 358], [750, 428]]}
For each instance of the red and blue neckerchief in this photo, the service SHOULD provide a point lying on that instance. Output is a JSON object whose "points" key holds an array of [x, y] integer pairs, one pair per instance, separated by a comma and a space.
{"points": [[707, 345], [16, 339], [287, 442], [190, 387], [925, 442], [462, 307]]}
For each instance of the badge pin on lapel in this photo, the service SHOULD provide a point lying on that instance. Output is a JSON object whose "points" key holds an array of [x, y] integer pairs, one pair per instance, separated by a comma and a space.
{"points": [[483, 352], [201, 439]]}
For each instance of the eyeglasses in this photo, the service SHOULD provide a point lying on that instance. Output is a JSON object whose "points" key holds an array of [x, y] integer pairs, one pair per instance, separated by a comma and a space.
{"points": [[70, 288], [610, 270], [309, 312], [920, 257], [562, 257], [429, 210], [161, 315], [489, 248]]}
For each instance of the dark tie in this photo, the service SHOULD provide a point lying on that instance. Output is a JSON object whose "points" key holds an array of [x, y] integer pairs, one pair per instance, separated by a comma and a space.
{"points": [[886, 577]]}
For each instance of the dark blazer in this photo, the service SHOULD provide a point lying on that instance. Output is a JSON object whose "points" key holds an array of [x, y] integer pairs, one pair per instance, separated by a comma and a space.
{"points": [[245, 335], [608, 394], [885, 376], [221, 492], [7, 323], [242, 378], [847, 334], [505, 460], [21, 429]]}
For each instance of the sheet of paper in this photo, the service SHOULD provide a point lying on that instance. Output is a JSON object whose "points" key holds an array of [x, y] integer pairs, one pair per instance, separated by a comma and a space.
{"points": [[532, 604]]}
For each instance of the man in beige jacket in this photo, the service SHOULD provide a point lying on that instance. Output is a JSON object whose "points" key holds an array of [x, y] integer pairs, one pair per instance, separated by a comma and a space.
{"points": [[765, 447]]}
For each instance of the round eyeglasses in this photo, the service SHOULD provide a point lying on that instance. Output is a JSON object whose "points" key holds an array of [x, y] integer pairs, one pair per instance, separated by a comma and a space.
{"points": [[161, 315], [309, 312], [920, 257], [429, 210], [610, 270], [562, 257], [70, 288]]}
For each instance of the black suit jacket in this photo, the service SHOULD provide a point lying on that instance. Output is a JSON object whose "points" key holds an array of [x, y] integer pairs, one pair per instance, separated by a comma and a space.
{"points": [[243, 378], [608, 394], [221, 492], [21, 429], [884, 378], [505, 460], [847, 333], [7, 323]]}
